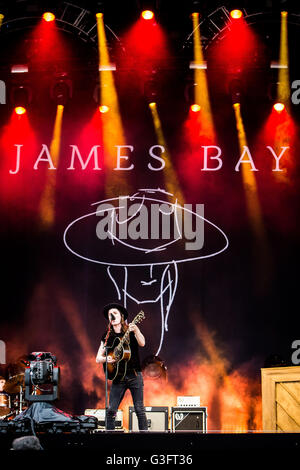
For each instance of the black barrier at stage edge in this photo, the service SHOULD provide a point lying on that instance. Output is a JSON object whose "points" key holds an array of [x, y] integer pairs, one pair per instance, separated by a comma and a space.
{"points": [[114, 444]]}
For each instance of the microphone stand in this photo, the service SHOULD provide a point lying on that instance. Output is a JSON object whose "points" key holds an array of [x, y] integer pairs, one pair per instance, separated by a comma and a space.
{"points": [[106, 379], [106, 392]]}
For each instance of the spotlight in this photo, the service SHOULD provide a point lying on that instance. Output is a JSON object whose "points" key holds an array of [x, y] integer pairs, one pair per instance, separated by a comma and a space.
{"points": [[20, 96], [48, 16], [151, 87], [107, 68], [20, 110], [103, 109], [190, 95], [235, 90], [195, 108], [19, 68], [1, 19], [236, 14], [98, 9], [198, 66], [196, 8], [42, 370], [273, 90], [152, 104], [279, 107], [147, 15], [61, 89]]}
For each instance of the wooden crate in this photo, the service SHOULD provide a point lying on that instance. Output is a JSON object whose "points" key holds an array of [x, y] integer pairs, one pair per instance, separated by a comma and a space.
{"points": [[281, 399]]}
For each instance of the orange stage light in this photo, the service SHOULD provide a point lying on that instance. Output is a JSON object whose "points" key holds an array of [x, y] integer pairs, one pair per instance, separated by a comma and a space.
{"points": [[48, 16], [103, 109], [20, 110], [279, 107], [236, 14], [195, 108], [147, 14]]}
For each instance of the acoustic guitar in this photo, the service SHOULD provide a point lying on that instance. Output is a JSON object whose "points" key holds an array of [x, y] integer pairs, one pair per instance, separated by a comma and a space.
{"points": [[120, 351]]}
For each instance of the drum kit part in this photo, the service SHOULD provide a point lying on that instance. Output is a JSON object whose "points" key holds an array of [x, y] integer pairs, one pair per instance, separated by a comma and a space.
{"points": [[12, 396], [5, 405]]}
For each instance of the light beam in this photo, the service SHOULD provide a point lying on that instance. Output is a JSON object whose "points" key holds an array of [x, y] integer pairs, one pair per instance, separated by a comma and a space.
{"points": [[47, 204], [112, 127], [283, 90], [171, 180], [262, 255], [201, 97]]}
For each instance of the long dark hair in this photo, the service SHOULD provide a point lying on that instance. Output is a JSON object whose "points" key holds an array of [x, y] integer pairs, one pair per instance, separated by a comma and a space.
{"points": [[110, 330]]}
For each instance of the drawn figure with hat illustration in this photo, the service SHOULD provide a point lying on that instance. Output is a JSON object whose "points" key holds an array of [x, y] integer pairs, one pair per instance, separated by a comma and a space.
{"points": [[143, 238]]}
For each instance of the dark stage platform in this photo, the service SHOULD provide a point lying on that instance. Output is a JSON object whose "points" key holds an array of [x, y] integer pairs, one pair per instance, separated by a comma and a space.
{"points": [[140, 450]]}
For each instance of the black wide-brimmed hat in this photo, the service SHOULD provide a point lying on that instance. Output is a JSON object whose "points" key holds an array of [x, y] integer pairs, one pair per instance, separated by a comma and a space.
{"points": [[120, 307]]}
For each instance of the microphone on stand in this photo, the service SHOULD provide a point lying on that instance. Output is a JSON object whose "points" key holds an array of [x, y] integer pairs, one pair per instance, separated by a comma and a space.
{"points": [[112, 317]]}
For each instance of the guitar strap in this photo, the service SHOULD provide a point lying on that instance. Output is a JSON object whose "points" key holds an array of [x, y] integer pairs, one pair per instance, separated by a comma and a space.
{"points": [[107, 335]]}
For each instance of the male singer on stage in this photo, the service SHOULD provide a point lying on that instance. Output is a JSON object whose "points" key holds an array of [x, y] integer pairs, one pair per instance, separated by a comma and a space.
{"points": [[133, 380]]}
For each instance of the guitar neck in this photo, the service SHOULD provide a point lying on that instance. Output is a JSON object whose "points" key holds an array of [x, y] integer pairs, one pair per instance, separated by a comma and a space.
{"points": [[126, 335]]}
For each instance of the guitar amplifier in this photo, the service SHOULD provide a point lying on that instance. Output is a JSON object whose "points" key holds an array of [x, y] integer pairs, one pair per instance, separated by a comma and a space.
{"points": [[157, 418], [189, 419], [100, 415], [189, 401]]}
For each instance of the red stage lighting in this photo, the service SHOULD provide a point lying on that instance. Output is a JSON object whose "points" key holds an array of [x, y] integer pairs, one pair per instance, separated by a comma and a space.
{"points": [[279, 107], [147, 14], [195, 108], [20, 110], [48, 16], [236, 14], [103, 109]]}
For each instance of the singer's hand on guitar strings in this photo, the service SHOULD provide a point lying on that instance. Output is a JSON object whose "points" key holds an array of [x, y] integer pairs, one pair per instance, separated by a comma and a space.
{"points": [[133, 327]]}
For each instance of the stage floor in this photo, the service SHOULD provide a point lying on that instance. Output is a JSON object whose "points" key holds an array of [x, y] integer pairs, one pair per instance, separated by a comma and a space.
{"points": [[147, 449]]}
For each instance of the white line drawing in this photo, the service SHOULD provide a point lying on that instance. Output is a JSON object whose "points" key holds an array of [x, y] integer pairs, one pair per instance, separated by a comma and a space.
{"points": [[158, 279]]}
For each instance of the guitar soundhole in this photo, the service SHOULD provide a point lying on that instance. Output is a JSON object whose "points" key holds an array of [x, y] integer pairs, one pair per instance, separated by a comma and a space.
{"points": [[117, 354]]}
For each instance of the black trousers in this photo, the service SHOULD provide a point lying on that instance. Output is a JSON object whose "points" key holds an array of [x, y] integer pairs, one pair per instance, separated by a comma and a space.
{"points": [[133, 382]]}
